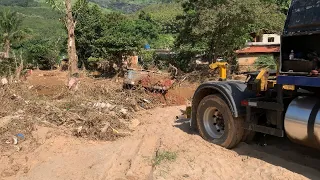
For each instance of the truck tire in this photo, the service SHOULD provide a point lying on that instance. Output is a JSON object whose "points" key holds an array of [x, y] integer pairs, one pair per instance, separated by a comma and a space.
{"points": [[216, 123]]}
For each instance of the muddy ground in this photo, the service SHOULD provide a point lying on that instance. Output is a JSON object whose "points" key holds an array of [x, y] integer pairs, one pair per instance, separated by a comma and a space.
{"points": [[147, 143]]}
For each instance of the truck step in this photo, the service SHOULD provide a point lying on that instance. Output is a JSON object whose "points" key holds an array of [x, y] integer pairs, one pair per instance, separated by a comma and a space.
{"points": [[263, 129]]}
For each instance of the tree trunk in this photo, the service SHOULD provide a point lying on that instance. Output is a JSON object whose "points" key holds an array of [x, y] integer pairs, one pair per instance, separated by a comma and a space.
{"points": [[6, 48], [72, 52], [19, 69]]}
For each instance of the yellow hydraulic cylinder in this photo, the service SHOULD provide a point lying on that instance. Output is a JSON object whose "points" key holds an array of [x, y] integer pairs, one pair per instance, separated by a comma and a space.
{"points": [[222, 69]]}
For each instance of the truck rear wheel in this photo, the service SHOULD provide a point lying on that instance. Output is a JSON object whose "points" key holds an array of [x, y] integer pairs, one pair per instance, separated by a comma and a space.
{"points": [[216, 123]]}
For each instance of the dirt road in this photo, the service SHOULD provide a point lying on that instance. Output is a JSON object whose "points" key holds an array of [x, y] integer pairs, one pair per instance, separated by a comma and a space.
{"points": [[159, 136]]}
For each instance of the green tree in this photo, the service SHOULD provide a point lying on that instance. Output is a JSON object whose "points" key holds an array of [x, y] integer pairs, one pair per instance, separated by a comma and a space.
{"points": [[10, 30], [218, 27], [121, 37], [147, 28], [42, 53], [265, 62], [283, 5], [112, 36], [90, 25], [164, 17], [124, 36]]}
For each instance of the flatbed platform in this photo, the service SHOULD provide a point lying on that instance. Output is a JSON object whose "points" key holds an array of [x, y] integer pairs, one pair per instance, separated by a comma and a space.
{"points": [[299, 81]]}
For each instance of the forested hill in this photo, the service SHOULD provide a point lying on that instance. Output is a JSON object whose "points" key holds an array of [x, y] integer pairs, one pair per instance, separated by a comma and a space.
{"points": [[125, 6]]}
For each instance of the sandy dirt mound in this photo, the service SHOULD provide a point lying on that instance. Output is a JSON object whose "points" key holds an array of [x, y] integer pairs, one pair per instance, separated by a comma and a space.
{"points": [[161, 147]]}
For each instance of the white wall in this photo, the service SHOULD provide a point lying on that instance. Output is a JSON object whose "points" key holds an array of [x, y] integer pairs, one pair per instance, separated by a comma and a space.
{"points": [[264, 41], [266, 36]]}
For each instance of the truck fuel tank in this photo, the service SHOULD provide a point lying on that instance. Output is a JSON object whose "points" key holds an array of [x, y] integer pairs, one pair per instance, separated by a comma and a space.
{"points": [[302, 121]]}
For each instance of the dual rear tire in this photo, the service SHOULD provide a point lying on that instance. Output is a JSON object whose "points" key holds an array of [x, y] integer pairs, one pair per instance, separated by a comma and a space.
{"points": [[216, 123]]}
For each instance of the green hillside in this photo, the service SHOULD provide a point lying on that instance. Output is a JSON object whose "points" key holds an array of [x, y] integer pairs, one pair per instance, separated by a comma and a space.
{"points": [[128, 6], [42, 21], [125, 6]]}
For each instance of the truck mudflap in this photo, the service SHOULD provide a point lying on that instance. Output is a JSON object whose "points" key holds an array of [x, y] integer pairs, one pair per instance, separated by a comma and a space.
{"points": [[232, 91]]}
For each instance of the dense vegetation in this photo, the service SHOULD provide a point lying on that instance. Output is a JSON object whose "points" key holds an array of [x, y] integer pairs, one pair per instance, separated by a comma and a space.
{"points": [[23, 3], [46, 35], [217, 28], [105, 30]]}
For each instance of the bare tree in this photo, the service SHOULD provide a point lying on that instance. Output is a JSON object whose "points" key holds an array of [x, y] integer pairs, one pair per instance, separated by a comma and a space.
{"points": [[65, 6]]}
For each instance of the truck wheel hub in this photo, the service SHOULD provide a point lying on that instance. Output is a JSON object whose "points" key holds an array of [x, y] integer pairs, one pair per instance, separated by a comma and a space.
{"points": [[213, 122]]}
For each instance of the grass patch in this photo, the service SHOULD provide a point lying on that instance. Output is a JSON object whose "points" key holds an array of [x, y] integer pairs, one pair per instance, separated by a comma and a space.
{"points": [[163, 156]]}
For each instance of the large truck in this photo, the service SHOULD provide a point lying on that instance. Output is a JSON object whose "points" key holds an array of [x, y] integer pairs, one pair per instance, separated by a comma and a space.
{"points": [[283, 103]]}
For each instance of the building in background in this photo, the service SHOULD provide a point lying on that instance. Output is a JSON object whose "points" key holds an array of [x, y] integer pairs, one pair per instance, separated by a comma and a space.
{"points": [[265, 44]]}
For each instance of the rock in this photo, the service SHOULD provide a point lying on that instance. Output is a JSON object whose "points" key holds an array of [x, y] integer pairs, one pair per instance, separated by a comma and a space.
{"points": [[133, 124], [4, 81], [30, 87]]}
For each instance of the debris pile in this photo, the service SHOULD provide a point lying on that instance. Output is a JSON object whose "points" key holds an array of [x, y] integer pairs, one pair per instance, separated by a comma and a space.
{"points": [[99, 109]]}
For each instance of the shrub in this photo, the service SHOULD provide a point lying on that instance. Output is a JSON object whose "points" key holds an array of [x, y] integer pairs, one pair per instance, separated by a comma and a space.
{"points": [[147, 58], [7, 67], [265, 61]]}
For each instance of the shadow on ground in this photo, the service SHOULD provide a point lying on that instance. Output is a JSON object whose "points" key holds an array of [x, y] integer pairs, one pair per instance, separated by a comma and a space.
{"points": [[278, 151]]}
